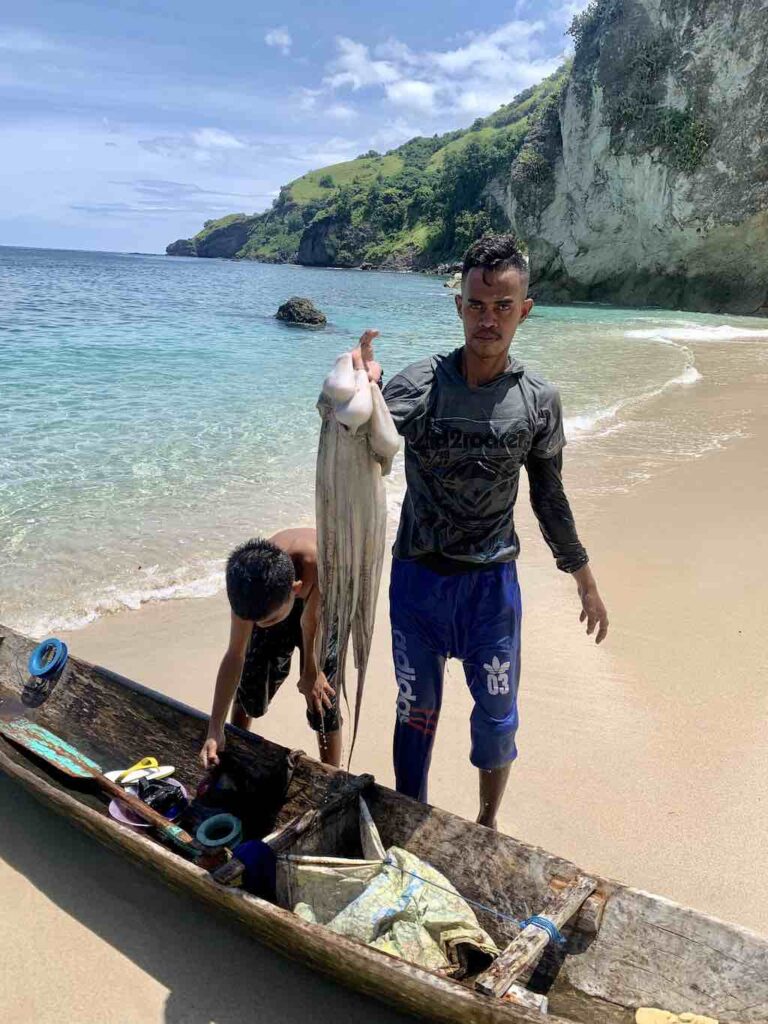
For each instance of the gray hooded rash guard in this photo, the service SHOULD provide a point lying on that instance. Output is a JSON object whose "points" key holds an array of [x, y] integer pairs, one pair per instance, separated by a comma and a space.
{"points": [[464, 447]]}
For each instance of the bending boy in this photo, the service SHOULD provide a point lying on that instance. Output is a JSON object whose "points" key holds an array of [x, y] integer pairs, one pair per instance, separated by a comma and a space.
{"points": [[275, 604]]}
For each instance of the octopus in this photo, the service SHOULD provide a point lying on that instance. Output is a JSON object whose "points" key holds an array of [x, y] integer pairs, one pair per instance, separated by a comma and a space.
{"points": [[358, 442]]}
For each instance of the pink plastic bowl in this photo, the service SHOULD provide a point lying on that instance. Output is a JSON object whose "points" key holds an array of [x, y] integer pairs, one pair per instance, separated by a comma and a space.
{"points": [[125, 815]]}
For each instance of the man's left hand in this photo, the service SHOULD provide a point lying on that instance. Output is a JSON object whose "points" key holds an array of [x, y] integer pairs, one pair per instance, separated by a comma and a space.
{"points": [[593, 611]]}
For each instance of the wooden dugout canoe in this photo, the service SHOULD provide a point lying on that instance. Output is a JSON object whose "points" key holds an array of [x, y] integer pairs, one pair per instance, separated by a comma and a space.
{"points": [[625, 948]]}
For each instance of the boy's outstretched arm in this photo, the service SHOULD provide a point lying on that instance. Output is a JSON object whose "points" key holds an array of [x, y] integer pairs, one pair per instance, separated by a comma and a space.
{"points": [[227, 681], [313, 684]]}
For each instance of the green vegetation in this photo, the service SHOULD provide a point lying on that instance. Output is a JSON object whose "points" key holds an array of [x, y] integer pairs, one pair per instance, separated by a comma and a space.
{"points": [[315, 185], [584, 26], [681, 137], [215, 225], [634, 90]]}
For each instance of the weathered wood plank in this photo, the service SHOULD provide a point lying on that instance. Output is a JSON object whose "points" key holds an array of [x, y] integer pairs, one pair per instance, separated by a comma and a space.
{"points": [[589, 915], [285, 838], [527, 947], [651, 951], [524, 997]]}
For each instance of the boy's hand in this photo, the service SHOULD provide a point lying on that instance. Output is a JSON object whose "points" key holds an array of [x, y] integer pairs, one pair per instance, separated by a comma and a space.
{"points": [[362, 356], [317, 691], [213, 746]]}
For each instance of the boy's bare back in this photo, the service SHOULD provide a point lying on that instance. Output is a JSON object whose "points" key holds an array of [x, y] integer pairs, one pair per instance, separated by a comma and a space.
{"points": [[300, 544]]}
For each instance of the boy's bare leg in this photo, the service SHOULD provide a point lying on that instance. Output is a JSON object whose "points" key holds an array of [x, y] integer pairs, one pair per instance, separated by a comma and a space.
{"points": [[492, 786], [330, 747], [240, 717]]}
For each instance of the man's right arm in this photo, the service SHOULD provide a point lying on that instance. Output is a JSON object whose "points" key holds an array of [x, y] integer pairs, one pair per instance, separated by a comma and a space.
{"points": [[227, 681]]}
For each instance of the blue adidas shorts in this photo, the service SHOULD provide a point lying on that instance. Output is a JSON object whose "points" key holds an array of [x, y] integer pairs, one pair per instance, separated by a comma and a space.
{"points": [[473, 616]]}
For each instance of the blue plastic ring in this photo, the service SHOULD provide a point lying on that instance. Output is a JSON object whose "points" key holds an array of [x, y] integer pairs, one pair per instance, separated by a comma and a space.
{"points": [[48, 658], [220, 830]]}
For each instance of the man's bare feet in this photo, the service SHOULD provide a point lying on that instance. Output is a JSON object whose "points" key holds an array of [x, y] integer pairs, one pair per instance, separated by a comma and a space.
{"points": [[487, 820]]}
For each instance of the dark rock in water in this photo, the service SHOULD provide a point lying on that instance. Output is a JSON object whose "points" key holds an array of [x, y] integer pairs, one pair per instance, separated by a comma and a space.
{"points": [[183, 247], [302, 312], [366, 266]]}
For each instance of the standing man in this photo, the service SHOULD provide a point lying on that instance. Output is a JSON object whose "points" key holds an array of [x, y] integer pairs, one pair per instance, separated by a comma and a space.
{"points": [[471, 420]]}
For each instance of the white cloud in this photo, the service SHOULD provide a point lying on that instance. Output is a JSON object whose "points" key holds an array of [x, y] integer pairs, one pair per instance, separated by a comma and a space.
{"points": [[341, 112], [394, 50], [308, 98], [355, 67], [566, 12], [215, 138], [485, 53], [330, 151], [280, 38], [394, 133], [413, 94], [471, 79]]}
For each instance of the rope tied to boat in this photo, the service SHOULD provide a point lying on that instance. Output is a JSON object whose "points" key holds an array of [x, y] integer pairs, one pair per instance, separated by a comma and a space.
{"points": [[554, 933]]}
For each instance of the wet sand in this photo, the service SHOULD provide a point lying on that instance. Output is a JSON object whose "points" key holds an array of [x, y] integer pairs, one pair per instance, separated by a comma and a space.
{"points": [[644, 759]]}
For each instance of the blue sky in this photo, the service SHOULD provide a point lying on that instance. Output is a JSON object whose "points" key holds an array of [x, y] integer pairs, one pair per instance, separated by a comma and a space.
{"points": [[125, 125]]}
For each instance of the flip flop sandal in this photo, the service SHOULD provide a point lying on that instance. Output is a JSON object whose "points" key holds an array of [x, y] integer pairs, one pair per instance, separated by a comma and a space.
{"points": [[150, 774], [118, 774]]}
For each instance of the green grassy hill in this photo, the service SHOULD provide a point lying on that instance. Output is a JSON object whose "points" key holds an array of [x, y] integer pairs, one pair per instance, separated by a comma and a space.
{"points": [[415, 206]]}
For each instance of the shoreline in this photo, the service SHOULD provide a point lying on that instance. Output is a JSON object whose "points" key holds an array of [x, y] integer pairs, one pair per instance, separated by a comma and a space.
{"points": [[588, 435]]}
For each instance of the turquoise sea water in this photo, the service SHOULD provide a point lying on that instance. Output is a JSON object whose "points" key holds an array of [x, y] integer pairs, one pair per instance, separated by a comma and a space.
{"points": [[153, 412]]}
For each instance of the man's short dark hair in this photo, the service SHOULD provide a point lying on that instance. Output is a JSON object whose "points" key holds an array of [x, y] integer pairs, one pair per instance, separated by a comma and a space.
{"points": [[259, 579], [494, 253]]}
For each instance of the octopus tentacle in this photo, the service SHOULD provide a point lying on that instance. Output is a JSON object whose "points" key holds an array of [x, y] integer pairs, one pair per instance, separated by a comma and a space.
{"points": [[351, 527]]}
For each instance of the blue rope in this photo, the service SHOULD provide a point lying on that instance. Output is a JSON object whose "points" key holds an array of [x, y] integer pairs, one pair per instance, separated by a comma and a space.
{"points": [[536, 920], [41, 665], [452, 892], [547, 926]]}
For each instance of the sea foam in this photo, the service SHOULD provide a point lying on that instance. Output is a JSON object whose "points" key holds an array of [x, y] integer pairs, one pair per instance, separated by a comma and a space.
{"points": [[699, 333]]}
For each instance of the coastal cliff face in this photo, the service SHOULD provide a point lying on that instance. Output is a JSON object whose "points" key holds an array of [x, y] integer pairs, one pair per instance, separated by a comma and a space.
{"points": [[218, 239], [330, 242], [648, 184]]}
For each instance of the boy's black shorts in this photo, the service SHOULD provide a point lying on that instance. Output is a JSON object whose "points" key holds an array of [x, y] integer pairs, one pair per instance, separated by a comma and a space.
{"points": [[268, 662]]}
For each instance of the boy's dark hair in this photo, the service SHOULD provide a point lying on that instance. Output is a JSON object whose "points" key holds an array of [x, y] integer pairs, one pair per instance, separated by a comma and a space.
{"points": [[259, 579], [493, 253]]}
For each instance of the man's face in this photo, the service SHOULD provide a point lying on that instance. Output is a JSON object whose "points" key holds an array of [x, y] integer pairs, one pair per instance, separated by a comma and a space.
{"points": [[277, 614], [491, 306]]}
